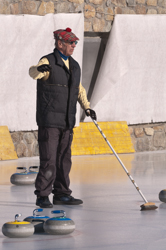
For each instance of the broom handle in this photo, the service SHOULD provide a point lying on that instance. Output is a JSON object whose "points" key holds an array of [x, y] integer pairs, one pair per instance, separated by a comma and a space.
{"points": [[132, 180]]}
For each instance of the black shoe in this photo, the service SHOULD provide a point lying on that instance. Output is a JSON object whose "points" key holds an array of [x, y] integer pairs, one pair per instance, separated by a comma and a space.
{"points": [[66, 200], [43, 201]]}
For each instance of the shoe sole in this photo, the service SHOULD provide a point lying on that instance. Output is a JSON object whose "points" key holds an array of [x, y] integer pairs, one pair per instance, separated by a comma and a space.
{"points": [[66, 203], [50, 206]]}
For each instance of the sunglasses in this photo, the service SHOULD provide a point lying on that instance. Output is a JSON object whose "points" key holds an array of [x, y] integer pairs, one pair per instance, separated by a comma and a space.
{"points": [[71, 42]]}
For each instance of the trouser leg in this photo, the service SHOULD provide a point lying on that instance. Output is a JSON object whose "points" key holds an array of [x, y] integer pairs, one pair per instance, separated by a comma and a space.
{"points": [[62, 181], [48, 139]]}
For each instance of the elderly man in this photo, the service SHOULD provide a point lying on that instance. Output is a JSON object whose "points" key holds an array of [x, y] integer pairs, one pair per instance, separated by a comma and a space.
{"points": [[58, 90]]}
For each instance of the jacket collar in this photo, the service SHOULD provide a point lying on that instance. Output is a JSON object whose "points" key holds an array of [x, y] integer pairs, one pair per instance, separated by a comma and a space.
{"points": [[60, 62], [58, 58]]}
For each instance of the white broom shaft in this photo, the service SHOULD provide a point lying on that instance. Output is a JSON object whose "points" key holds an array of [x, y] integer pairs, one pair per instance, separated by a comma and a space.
{"points": [[132, 180]]}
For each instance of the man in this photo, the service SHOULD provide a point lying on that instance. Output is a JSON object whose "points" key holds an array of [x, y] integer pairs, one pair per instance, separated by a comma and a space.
{"points": [[58, 90]]}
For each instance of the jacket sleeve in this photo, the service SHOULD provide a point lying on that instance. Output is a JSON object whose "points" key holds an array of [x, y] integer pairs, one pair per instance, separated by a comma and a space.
{"points": [[35, 74], [82, 98]]}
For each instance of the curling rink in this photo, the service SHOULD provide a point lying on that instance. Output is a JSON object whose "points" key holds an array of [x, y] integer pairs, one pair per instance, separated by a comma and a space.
{"points": [[110, 216]]}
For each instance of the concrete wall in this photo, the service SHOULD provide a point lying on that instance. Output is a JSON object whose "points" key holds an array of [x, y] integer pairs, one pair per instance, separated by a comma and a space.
{"points": [[98, 17], [145, 137]]}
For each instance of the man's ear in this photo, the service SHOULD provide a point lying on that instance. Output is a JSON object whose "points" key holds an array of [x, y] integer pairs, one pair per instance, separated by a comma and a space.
{"points": [[59, 44]]}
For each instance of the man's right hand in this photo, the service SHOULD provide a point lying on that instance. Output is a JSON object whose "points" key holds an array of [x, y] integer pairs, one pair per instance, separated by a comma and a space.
{"points": [[44, 68]]}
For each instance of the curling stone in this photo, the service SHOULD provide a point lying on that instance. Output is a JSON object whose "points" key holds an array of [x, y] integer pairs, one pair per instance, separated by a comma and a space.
{"points": [[18, 229], [37, 220], [162, 195], [59, 225], [23, 177]]}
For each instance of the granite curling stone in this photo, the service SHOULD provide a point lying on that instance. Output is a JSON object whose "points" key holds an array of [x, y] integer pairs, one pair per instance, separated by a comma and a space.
{"points": [[17, 229], [59, 225], [162, 195], [37, 220], [23, 177]]}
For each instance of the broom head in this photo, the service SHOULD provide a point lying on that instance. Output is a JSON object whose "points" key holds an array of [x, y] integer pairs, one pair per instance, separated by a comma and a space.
{"points": [[148, 206]]}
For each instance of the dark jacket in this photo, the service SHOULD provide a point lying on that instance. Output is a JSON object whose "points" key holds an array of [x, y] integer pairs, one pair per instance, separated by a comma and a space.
{"points": [[57, 96]]}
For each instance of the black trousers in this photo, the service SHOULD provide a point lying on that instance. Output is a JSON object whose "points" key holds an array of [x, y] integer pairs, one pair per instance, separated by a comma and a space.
{"points": [[55, 161]]}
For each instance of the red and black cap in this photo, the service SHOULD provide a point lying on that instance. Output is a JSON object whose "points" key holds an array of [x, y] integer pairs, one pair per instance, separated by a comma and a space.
{"points": [[65, 35]]}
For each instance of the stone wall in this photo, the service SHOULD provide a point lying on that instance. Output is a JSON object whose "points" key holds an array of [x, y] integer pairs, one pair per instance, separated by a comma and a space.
{"points": [[146, 137], [26, 144], [98, 14]]}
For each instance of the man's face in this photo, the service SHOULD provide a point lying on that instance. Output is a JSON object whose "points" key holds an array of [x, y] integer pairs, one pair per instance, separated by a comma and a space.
{"points": [[66, 48]]}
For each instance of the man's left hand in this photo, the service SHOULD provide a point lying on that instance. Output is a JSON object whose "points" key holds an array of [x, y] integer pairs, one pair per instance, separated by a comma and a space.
{"points": [[91, 113]]}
